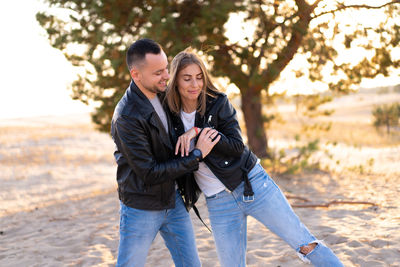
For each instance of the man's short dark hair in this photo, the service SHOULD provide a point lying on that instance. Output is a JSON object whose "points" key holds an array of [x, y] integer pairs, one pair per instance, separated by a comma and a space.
{"points": [[138, 50]]}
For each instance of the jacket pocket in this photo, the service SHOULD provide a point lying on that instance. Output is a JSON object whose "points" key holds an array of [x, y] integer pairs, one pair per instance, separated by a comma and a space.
{"points": [[137, 187], [229, 162]]}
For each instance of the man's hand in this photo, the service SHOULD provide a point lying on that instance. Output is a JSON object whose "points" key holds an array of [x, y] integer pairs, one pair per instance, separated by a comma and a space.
{"points": [[207, 140]]}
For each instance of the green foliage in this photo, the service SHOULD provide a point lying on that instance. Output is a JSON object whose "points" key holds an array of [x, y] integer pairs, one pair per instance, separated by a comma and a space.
{"points": [[308, 107], [363, 168], [387, 115], [371, 162], [357, 169], [297, 161], [104, 29], [280, 30], [396, 89], [383, 90]]}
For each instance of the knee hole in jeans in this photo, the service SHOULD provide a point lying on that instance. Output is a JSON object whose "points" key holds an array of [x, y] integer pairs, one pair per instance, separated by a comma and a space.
{"points": [[308, 248]]}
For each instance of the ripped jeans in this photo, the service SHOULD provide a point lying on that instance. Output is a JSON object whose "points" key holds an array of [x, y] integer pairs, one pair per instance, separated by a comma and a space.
{"points": [[228, 216]]}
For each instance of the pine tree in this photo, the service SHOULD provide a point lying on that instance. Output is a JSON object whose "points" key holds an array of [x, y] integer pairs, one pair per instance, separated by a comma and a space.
{"points": [[279, 31]]}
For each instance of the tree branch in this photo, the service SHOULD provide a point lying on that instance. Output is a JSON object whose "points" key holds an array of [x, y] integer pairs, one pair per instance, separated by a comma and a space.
{"points": [[288, 52], [313, 6], [327, 204], [269, 27], [276, 25], [334, 202], [342, 7]]}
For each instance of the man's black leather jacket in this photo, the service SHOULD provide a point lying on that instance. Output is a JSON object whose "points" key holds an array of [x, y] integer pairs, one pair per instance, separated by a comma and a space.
{"points": [[147, 167], [230, 160]]}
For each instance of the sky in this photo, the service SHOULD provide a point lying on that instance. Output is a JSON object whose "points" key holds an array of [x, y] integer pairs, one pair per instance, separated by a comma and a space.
{"points": [[35, 76]]}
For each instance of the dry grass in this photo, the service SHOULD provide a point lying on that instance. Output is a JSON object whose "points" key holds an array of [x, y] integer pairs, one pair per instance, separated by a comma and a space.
{"points": [[74, 144], [17, 134], [53, 155], [352, 134], [48, 161]]}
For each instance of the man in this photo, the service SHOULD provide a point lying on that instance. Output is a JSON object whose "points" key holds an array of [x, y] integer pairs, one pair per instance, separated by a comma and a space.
{"points": [[147, 169]]}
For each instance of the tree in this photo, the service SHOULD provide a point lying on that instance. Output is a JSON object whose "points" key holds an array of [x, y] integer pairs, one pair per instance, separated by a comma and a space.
{"points": [[387, 115], [279, 32], [96, 34]]}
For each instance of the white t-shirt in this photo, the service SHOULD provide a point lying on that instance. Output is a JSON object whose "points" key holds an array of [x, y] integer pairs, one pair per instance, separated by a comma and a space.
{"points": [[205, 178], [161, 114], [160, 111]]}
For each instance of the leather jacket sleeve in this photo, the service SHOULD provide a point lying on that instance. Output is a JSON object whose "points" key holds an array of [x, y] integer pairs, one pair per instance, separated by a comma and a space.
{"points": [[136, 147], [231, 142]]}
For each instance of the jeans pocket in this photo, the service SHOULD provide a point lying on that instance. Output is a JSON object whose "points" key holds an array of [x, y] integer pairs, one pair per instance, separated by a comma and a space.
{"points": [[263, 184], [122, 221], [259, 179]]}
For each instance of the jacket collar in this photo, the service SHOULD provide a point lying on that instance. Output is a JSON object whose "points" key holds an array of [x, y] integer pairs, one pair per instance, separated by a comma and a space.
{"points": [[147, 111], [200, 121]]}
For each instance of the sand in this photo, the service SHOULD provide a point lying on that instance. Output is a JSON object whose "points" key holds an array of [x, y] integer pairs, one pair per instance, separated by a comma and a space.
{"points": [[59, 206]]}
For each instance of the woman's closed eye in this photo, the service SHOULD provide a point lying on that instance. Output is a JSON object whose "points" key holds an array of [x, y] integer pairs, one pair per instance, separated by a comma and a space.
{"points": [[199, 78]]}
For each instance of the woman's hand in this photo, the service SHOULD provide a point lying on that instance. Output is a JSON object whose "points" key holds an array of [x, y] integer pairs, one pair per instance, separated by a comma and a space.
{"points": [[183, 143], [207, 140]]}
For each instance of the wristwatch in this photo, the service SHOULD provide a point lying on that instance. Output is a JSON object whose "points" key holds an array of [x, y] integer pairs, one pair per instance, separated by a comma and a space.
{"points": [[197, 153]]}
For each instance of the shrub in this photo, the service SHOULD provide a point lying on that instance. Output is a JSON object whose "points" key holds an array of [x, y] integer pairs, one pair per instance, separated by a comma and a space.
{"points": [[387, 115]]}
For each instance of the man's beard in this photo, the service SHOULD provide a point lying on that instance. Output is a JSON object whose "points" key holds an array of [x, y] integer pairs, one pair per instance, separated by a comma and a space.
{"points": [[154, 89]]}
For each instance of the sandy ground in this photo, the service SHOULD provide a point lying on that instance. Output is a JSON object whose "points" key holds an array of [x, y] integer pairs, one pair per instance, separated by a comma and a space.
{"points": [[59, 207]]}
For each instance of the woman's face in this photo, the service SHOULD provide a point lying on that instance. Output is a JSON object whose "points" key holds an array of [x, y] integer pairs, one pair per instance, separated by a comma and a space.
{"points": [[190, 83]]}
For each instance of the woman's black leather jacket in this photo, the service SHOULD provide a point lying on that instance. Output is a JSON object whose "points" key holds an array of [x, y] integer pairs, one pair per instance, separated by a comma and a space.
{"points": [[230, 160]]}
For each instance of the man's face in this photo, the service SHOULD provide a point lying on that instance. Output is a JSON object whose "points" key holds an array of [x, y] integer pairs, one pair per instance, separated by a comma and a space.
{"points": [[152, 75]]}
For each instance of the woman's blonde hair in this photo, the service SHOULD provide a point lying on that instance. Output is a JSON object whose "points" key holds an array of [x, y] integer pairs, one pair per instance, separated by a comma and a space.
{"points": [[181, 61]]}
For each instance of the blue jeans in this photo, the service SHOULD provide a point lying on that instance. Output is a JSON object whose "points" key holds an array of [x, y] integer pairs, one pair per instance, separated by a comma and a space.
{"points": [[138, 228], [228, 216]]}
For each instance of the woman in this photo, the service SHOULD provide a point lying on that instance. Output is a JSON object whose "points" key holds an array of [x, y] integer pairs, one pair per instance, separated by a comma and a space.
{"points": [[234, 183]]}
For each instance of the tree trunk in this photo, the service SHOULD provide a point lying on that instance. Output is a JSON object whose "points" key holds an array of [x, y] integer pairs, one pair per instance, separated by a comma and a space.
{"points": [[252, 111], [387, 123]]}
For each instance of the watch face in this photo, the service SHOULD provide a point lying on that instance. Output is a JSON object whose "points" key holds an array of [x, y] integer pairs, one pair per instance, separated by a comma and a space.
{"points": [[197, 153]]}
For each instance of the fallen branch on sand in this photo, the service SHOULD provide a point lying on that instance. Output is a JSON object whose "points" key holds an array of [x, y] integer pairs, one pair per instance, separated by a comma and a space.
{"points": [[327, 204]]}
